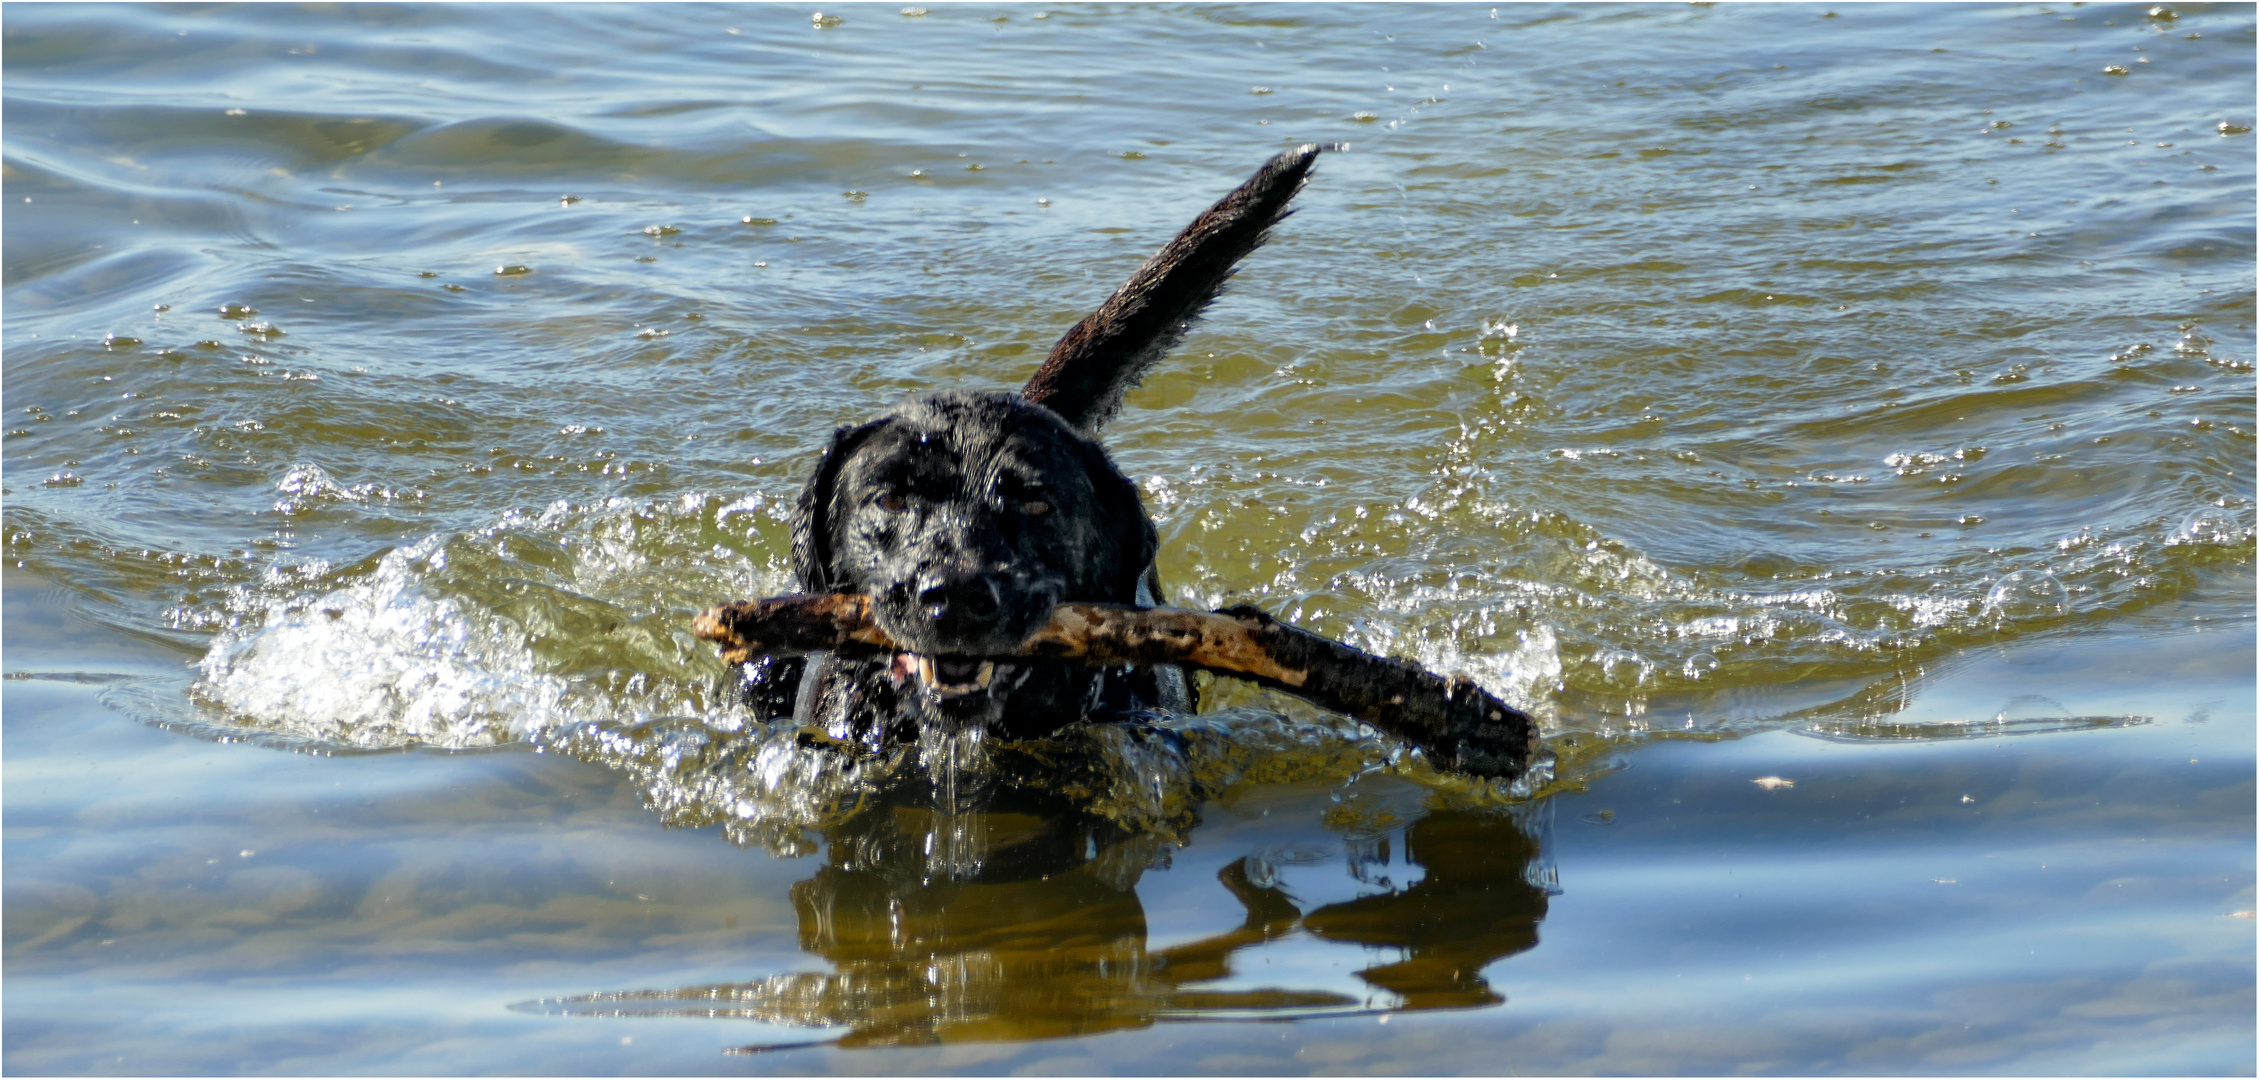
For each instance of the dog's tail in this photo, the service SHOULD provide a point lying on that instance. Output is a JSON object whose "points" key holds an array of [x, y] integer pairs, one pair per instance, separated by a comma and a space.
{"points": [[1105, 354]]}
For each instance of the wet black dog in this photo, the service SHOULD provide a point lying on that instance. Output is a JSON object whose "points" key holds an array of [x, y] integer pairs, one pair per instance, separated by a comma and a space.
{"points": [[968, 517]]}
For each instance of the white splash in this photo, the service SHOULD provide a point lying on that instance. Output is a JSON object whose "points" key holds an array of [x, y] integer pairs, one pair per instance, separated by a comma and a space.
{"points": [[380, 663]]}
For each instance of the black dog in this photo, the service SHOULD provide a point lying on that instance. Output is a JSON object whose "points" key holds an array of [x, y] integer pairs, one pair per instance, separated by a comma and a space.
{"points": [[968, 517]]}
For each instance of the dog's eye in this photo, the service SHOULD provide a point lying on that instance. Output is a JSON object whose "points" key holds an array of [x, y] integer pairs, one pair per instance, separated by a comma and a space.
{"points": [[1035, 508], [894, 502]]}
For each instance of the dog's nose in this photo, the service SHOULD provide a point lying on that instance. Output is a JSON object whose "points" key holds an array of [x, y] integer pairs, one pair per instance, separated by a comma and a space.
{"points": [[973, 597]]}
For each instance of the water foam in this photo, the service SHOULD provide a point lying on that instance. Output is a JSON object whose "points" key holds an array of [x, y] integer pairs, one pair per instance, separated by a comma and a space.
{"points": [[381, 663], [535, 624]]}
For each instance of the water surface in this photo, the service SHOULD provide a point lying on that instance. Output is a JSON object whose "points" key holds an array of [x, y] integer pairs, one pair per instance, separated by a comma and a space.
{"points": [[1861, 398]]}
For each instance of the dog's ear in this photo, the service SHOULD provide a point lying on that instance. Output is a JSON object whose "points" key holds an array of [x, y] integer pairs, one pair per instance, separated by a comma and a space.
{"points": [[1118, 502], [812, 542], [1105, 354]]}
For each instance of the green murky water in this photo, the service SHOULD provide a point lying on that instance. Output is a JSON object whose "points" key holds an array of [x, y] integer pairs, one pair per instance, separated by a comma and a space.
{"points": [[1861, 399]]}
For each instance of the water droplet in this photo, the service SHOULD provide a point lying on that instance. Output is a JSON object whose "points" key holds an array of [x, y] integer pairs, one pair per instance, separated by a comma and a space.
{"points": [[1701, 665], [2028, 594]]}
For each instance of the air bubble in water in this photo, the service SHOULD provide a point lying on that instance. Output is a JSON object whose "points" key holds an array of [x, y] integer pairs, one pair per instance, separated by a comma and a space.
{"points": [[2211, 525], [2028, 594], [1701, 665], [1621, 668]]}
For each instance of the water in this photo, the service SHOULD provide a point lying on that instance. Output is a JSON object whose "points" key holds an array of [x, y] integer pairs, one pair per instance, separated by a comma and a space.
{"points": [[1701, 378]]}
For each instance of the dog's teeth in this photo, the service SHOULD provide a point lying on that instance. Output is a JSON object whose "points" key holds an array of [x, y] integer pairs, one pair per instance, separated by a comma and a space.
{"points": [[929, 674]]}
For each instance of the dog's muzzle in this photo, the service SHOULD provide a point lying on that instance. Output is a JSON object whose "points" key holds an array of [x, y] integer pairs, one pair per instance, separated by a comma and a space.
{"points": [[954, 629]]}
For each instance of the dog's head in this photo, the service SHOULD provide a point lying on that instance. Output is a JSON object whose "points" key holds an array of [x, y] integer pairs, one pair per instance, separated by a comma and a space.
{"points": [[967, 518]]}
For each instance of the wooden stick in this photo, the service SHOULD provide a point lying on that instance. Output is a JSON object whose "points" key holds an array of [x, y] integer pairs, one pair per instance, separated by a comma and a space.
{"points": [[1458, 724]]}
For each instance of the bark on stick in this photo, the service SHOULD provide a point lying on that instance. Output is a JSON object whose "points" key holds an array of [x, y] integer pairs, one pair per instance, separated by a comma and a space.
{"points": [[1458, 724]]}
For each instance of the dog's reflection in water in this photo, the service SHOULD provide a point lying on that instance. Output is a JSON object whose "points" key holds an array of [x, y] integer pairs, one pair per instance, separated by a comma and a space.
{"points": [[1033, 930]]}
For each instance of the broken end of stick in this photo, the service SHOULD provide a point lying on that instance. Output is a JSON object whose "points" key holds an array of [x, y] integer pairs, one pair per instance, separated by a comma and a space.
{"points": [[713, 625], [1459, 725], [708, 626], [1479, 734]]}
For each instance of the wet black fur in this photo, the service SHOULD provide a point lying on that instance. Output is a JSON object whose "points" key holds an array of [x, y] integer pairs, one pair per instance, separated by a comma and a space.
{"points": [[967, 517]]}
